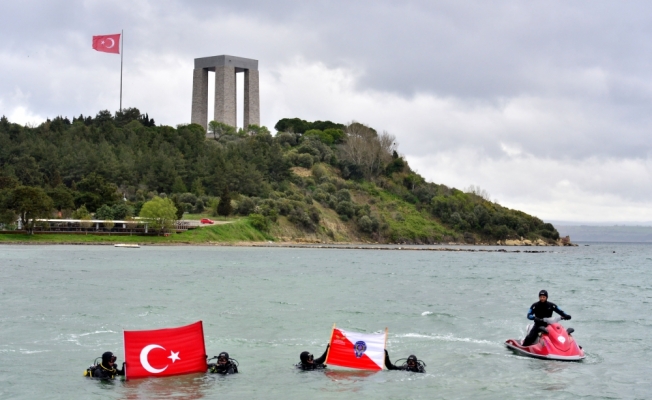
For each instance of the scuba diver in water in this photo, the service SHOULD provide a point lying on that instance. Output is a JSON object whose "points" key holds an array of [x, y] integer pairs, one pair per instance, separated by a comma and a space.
{"points": [[538, 311], [309, 363], [106, 369], [412, 364], [225, 365]]}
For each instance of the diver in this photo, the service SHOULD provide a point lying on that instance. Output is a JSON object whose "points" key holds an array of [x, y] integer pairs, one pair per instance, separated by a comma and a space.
{"points": [[309, 363], [225, 365], [106, 369], [538, 311], [412, 364]]}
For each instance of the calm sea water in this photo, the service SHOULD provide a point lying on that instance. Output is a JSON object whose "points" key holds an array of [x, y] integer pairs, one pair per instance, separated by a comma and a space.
{"points": [[62, 306]]}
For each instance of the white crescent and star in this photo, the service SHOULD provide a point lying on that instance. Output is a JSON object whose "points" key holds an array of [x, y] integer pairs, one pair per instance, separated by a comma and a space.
{"points": [[144, 353]]}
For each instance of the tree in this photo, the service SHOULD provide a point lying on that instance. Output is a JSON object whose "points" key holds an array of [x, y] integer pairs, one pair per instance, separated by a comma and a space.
{"points": [[178, 186], [30, 203], [108, 225], [219, 129], [105, 212], [197, 187], [95, 191], [62, 198], [81, 213], [366, 149], [224, 206], [178, 206], [160, 213]]}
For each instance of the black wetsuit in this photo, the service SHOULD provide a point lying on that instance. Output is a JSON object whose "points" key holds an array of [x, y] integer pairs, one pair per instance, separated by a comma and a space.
{"points": [[223, 369], [101, 372], [537, 312], [405, 367], [318, 363]]}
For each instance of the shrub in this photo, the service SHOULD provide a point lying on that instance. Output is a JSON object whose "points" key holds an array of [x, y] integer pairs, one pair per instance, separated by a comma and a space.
{"points": [[367, 225], [343, 195], [105, 212], [259, 221], [345, 208], [199, 207], [246, 206], [305, 160]]}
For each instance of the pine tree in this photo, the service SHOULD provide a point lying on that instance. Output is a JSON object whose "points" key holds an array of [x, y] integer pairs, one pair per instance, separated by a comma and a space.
{"points": [[224, 207]]}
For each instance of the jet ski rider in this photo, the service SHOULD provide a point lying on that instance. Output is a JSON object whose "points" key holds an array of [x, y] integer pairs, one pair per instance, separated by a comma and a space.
{"points": [[412, 364], [538, 311], [309, 363], [224, 365], [106, 369]]}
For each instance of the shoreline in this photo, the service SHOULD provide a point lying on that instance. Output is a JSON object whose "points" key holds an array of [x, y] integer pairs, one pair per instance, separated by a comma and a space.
{"points": [[299, 245]]}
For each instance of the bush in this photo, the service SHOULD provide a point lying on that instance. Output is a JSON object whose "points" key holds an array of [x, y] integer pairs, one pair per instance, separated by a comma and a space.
{"points": [[246, 206], [188, 198], [328, 187], [304, 160], [259, 221], [81, 213], [343, 195], [199, 207], [366, 224], [345, 208], [105, 212]]}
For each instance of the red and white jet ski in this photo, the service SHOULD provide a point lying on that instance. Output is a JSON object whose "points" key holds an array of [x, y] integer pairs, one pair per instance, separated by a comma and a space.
{"points": [[554, 343]]}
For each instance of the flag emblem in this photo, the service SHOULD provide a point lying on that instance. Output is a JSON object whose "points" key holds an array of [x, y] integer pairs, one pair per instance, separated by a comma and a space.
{"points": [[360, 347]]}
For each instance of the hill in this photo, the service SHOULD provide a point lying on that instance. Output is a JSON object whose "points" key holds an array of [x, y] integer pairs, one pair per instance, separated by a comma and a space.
{"points": [[310, 181]]}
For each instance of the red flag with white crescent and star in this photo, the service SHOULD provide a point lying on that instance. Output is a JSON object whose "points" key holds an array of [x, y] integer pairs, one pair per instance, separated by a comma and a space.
{"points": [[165, 352], [107, 43]]}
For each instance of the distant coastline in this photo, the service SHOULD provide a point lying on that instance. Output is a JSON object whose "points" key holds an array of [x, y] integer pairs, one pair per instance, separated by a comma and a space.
{"points": [[611, 234]]}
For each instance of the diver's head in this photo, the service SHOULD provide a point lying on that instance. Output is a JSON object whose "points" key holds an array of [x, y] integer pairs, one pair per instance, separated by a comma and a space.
{"points": [[108, 358], [412, 361], [223, 358], [306, 358], [543, 296]]}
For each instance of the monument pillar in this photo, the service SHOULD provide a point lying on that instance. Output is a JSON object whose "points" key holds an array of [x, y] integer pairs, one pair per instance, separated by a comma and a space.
{"points": [[199, 97], [251, 99], [225, 95]]}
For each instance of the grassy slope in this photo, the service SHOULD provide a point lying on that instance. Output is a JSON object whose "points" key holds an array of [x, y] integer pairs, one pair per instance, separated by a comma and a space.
{"points": [[239, 231]]}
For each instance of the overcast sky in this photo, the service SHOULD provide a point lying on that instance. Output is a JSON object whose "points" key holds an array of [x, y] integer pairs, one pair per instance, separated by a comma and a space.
{"points": [[546, 105]]}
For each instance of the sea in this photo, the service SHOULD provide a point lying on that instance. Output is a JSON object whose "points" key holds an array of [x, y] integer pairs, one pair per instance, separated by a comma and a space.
{"points": [[61, 306]]}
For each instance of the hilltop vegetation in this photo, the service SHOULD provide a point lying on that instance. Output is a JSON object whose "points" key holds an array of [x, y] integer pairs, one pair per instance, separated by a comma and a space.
{"points": [[313, 180]]}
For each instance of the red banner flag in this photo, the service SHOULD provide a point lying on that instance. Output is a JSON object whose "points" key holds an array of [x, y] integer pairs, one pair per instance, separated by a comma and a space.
{"points": [[107, 43], [165, 352], [357, 350]]}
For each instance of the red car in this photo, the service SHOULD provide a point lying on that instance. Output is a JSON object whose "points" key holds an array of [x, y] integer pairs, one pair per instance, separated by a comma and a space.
{"points": [[206, 221]]}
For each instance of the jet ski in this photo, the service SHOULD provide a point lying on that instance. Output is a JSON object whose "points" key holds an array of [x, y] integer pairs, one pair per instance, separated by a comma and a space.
{"points": [[554, 343]]}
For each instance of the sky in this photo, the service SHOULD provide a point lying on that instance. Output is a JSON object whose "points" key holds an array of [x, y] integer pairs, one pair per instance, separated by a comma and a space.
{"points": [[545, 105]]}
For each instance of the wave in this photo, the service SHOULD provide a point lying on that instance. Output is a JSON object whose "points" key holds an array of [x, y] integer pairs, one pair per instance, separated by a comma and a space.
{"points": [[446, 338]]}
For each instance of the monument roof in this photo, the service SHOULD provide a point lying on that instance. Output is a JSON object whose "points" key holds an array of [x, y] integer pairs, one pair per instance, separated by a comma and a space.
{"points": [[239, 63]]}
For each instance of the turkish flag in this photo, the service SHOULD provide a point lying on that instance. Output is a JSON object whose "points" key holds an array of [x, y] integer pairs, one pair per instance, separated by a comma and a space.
{"points": [[165, 352], [107, 43], [357, 350]]}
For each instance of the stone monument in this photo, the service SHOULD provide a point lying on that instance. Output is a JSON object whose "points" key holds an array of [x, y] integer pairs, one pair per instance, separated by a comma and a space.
{"points": [[225, 68]]}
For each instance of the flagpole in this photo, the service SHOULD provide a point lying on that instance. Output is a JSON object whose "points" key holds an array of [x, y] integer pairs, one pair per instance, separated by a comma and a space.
{"points": [[385, 343], [328, 350], [122, 50]]}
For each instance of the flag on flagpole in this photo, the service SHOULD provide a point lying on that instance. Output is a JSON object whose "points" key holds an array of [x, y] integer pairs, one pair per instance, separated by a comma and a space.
{"points": [[165, 352], [357, 350], [107, 43]]}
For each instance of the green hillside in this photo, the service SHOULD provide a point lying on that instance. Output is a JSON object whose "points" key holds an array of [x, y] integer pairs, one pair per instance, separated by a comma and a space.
{"points": [[309, 181]]}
